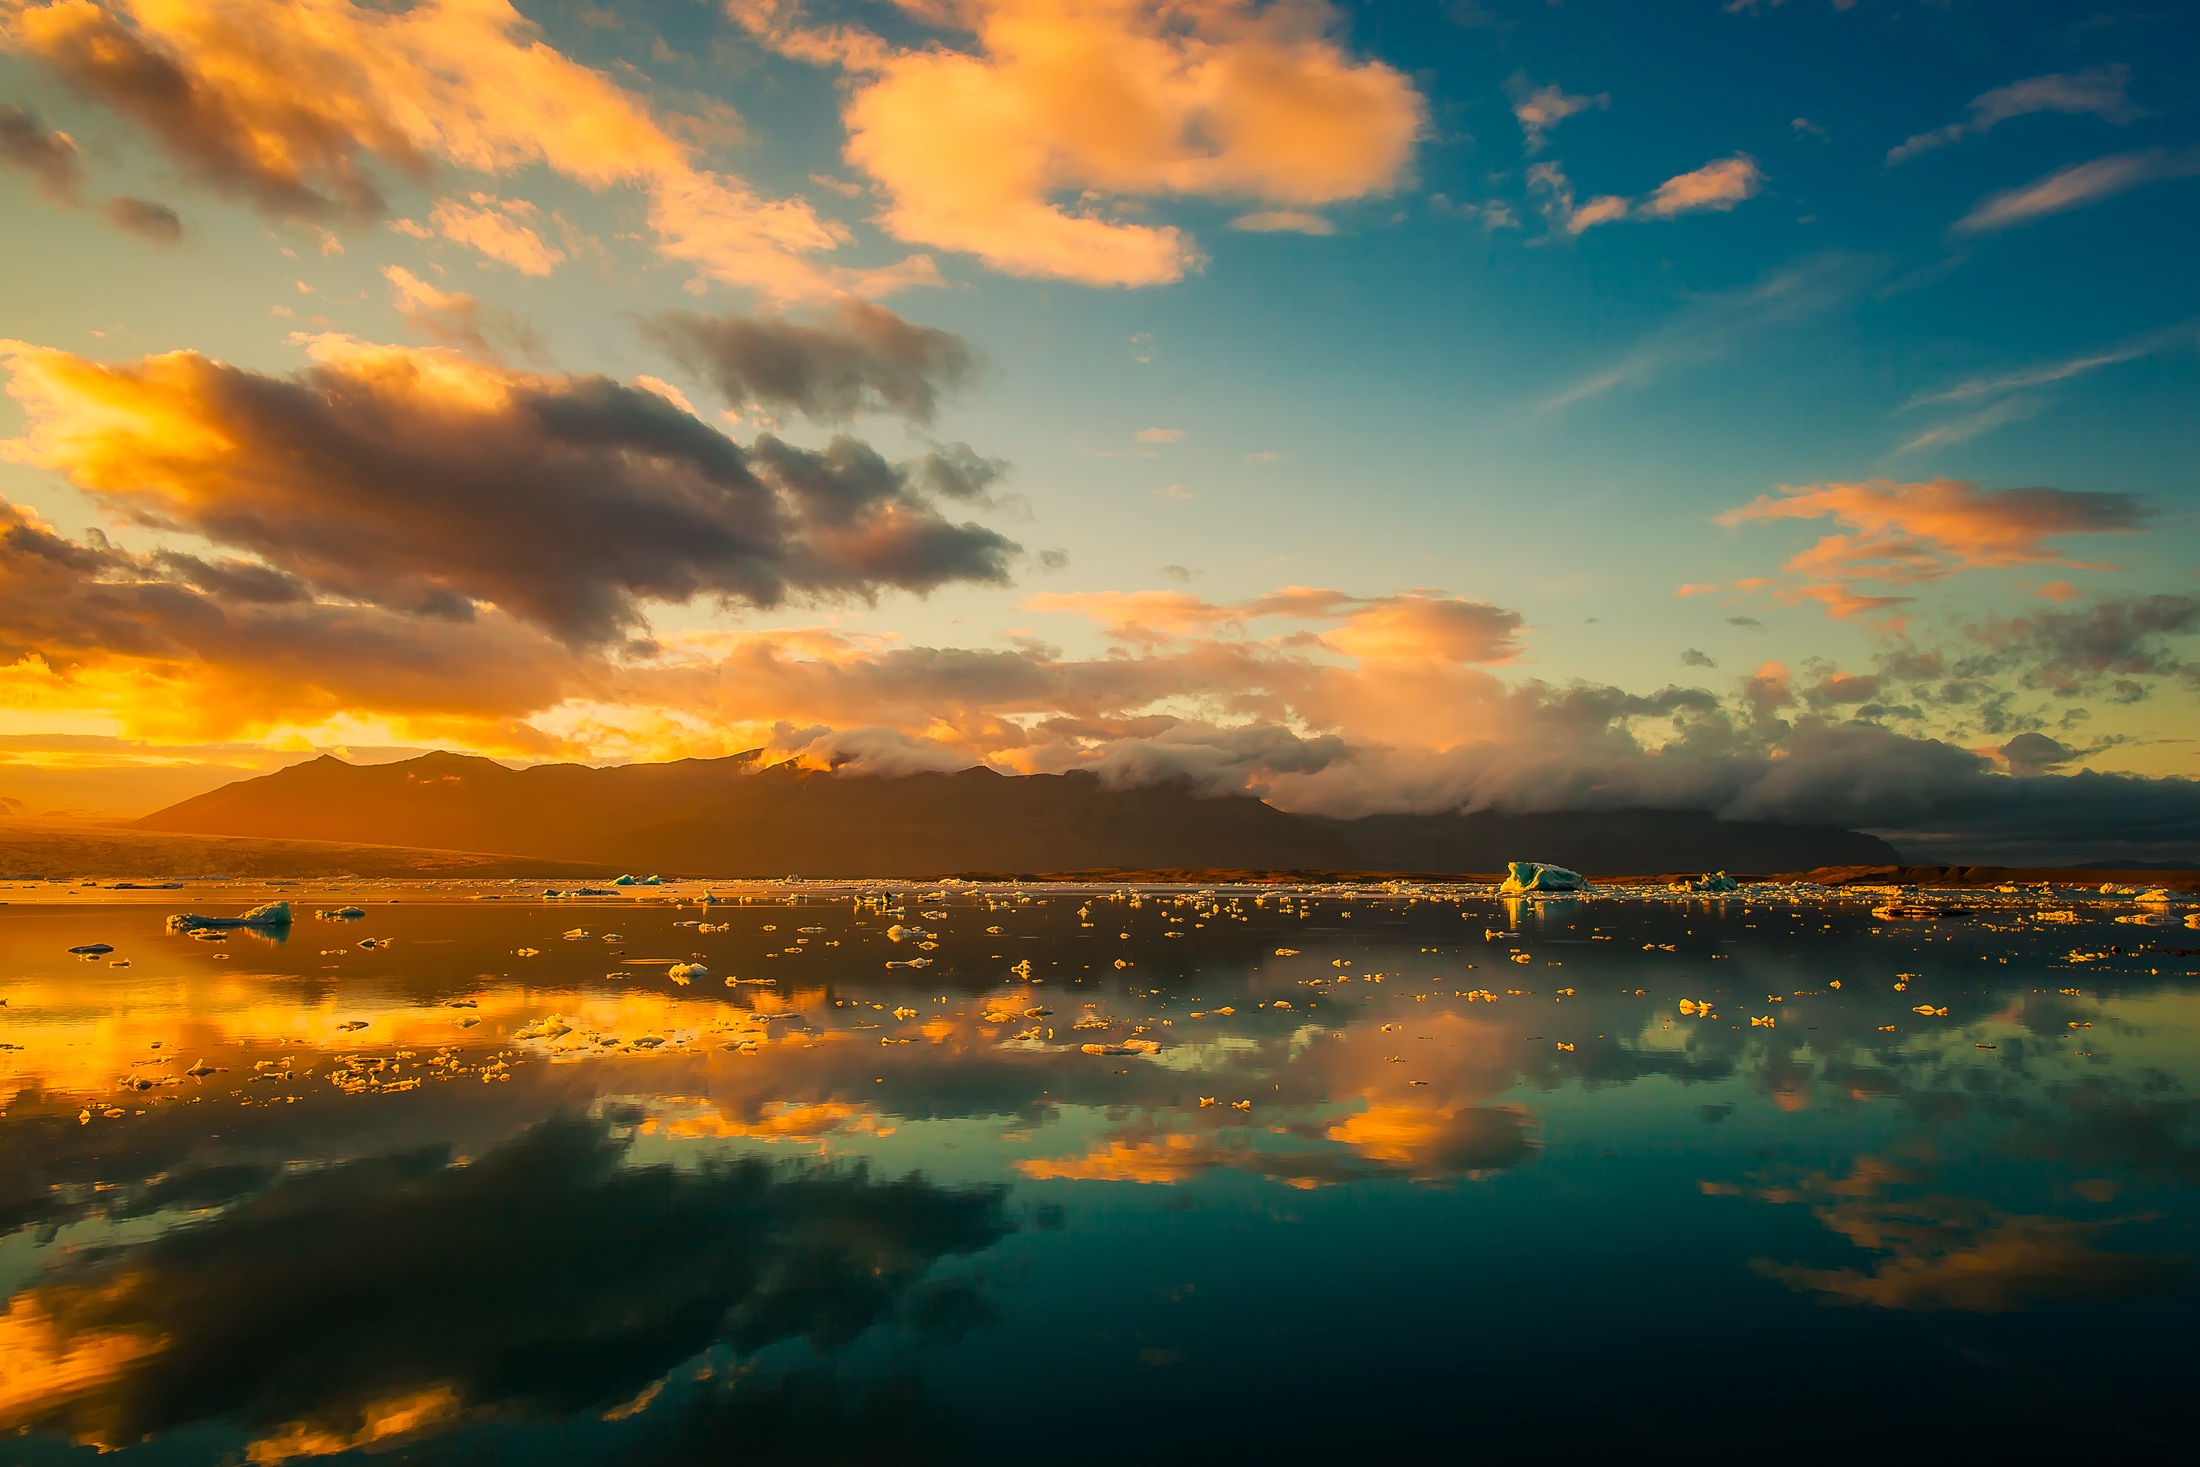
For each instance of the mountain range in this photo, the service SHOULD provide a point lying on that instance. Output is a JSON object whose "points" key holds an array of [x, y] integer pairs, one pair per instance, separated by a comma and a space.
{"points": [[739, 816]]}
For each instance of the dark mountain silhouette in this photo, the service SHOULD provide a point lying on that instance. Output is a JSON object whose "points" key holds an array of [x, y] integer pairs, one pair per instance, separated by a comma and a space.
{"points": [[739, 817]]}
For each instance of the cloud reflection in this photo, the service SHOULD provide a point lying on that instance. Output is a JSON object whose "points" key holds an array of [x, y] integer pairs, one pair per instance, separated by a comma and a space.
{"points": [[548, 1277]]}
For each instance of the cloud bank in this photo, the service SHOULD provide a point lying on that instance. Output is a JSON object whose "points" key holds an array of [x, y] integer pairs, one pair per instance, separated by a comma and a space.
{"points": [[1900, 535], [1318, 700], [420, 481]]}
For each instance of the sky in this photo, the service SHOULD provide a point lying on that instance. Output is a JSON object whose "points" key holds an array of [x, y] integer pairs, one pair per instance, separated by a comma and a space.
{"points": [[1785, 409]]}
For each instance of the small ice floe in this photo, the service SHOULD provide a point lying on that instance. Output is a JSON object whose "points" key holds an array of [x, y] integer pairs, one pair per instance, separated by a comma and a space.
{"points": [[1128, 1046], [622, 881], [92, 949], [272, 916], [340, 914], [908, 962], [686, 972], [2160, 896], [1526, 876]]}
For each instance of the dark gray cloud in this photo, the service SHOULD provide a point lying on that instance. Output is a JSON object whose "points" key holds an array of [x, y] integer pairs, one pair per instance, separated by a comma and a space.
{"points": [[112, 63], [145, 219], [958, 471], [48, 156], [2069, 652], [245, 581], [865, 360], [1836, 689], [2035, 753], [1691, 657], [567, 502]]}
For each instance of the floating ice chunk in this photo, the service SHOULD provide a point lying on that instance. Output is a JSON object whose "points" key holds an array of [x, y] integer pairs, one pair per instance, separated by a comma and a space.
{"points": [[2159, 896], [651, 881], [272, 915], [623, 881], [1537, 876], [684, 972], [341, 914], [1128, 1046], [909, 962], [92, 949]]}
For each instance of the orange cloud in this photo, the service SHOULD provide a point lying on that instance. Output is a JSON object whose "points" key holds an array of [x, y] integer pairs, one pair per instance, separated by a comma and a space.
{"points": [[1717, 187], [1414, 626], [1013, 150], [456, 318], [1910, 534], [287, 103], [502, 229]]}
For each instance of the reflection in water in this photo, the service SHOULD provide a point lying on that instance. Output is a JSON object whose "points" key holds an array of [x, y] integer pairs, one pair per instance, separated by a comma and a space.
{"points": [[507, 1180], [370, 1299], [1943, 1252]]}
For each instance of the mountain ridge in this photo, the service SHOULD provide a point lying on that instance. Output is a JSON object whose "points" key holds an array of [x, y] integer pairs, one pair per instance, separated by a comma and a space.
{"points": [[737, 816]]}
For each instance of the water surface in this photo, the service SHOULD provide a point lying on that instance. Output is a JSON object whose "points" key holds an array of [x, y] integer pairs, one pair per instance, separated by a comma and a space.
{"points": [[993, 1174]]}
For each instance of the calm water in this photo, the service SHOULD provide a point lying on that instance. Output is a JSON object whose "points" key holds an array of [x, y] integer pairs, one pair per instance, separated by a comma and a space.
{"points": [[1116, 1174]]}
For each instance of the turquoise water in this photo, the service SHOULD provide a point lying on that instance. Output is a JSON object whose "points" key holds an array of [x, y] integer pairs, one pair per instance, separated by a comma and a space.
{"points": [[887, 1173]]}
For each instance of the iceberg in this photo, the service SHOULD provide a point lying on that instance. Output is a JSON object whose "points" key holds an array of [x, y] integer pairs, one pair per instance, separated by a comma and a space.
{"points": [[1523, 876], [271, 916], [622, 881], [1716, 881]]}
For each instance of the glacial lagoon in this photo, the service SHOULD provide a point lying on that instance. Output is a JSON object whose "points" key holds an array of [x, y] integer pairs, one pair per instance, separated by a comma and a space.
{"points": [[862, 1172]]}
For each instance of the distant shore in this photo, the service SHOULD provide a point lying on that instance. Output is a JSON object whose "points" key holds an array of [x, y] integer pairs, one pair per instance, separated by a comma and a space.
{"points": [[39, 850]]}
